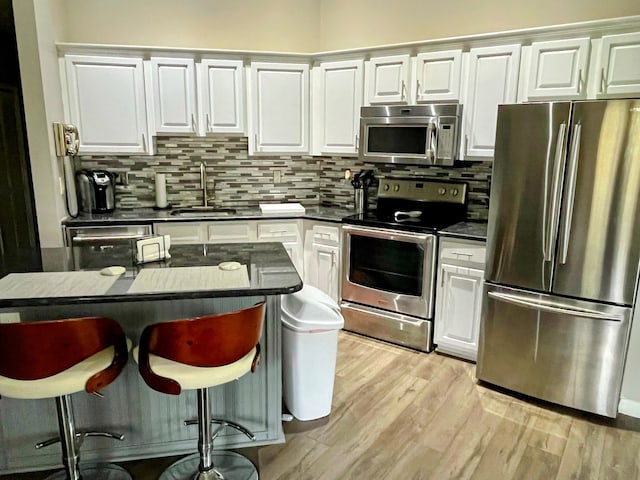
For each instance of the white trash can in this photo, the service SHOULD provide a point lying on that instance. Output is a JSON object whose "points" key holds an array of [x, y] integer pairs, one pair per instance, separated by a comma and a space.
{"points": [[310, 324]]}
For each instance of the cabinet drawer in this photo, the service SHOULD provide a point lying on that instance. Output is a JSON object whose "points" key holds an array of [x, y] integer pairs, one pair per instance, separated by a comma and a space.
{"points": [[462, 252], [326, 235], [180, 232], [230, 232], [277, 231]]}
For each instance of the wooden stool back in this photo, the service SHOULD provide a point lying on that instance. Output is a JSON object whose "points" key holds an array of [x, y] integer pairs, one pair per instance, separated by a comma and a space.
{"points": [[210, 341], [31, 351]]}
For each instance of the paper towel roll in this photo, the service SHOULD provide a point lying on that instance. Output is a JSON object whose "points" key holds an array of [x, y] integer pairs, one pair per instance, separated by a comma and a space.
{"points": [[161, 190]]}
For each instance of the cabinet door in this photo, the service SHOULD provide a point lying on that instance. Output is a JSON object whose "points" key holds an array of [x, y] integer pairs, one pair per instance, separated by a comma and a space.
{"points": [[388, 78], [222, 97], [294, 249], [325, 265], [181, 233], [558, 68], [174, 95], [458, 308], [279, 108], [619, 70], [338, 119], [107, 103], [438, 76], [492, 80]]}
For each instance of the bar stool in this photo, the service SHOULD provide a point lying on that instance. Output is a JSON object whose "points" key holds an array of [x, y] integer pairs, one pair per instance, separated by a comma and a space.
{"points": [[55, 358], [195, 354]]}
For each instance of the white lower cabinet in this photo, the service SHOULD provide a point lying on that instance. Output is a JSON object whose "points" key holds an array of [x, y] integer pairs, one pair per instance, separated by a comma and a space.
{"points": [[286, 232], [459, 297], [181, 232], [322, 257]]}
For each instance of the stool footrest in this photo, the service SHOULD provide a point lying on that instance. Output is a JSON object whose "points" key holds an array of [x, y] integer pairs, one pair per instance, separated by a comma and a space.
{"points": [[224, 423], [80, 436]]}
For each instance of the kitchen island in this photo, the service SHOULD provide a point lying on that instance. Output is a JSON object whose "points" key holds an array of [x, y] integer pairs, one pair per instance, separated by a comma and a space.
{"points": [[189, 284]]}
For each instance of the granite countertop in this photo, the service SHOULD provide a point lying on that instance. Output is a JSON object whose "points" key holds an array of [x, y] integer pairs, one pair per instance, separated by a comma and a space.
{"points": [[467, 230], [266, 269], [149, 215]]}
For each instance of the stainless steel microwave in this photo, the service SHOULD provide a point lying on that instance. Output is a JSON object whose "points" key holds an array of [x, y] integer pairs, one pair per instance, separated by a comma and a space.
{"points": [[413, 134]]}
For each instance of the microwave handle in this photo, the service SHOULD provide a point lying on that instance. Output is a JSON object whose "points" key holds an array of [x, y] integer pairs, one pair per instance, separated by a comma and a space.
{"points": [[431, 141]]}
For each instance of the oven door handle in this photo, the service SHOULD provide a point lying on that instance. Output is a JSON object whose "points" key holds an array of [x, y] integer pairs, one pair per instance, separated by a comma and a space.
{"points": [[387, 234]]}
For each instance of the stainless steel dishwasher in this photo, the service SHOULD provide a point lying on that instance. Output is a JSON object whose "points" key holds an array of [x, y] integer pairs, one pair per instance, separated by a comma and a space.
{"points": [[86, 241]]}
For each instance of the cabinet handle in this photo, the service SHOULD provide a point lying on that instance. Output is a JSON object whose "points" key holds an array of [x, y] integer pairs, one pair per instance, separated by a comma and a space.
{"points": [[417, 90], [579, 81], [208, 123], [255, 142], [466, 144], [402, 89], [357, 144], [144, 142], [602, 81], [194, 125]]}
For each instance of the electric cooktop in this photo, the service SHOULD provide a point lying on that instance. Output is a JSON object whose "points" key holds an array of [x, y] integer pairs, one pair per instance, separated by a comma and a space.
{"points": [[416, 205]]}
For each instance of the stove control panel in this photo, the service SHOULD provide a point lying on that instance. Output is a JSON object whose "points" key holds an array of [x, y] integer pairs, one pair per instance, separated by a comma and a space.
{"points": [[422, 190]]}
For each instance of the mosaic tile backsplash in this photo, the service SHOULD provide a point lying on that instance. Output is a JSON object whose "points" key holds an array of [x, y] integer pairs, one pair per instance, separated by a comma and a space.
{"points": [[237, 180]]}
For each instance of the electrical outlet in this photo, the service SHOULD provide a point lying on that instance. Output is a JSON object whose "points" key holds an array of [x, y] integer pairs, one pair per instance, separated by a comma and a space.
{"points": [[277, 176]]}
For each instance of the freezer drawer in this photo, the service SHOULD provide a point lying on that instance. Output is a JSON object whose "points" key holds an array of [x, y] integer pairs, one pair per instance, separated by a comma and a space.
{"points": [[565, 351]]}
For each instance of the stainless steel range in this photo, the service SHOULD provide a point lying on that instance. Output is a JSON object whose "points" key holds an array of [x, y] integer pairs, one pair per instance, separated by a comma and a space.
{"points": [[389, 259]]}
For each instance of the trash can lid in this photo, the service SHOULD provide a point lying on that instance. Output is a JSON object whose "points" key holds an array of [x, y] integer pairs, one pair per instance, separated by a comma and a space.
{"points": [[310, 310]]}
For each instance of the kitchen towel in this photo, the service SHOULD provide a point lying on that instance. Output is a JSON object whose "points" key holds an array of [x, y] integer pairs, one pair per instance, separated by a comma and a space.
{"points": [[183, 279], [55, 284], [161, 190]]}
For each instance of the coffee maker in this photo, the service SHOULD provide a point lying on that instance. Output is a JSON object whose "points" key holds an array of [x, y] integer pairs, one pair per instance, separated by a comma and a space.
{"points": [[96, 191]]}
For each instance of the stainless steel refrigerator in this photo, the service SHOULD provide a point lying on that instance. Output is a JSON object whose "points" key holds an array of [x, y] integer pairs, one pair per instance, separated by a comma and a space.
{"points": [[563, 251]]}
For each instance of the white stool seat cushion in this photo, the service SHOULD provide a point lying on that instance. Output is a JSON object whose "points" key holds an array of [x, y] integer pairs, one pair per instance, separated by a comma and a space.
{"points": [[66, 382], [192, 378]]}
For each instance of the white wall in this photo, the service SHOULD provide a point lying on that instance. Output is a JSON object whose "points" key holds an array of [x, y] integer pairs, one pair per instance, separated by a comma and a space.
{"points": [[38, 26], [365, 23], [315, 25], [268, 25]]}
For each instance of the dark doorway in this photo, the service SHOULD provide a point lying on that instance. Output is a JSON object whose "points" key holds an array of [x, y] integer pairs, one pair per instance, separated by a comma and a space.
{"points": [[19, 245]]}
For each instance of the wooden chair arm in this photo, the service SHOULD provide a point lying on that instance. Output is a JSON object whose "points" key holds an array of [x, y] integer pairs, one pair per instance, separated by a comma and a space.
{"points": [[158, 383]]}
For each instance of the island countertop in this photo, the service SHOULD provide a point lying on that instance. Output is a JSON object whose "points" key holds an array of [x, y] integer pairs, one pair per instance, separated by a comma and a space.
{"points": [[265, 269]]}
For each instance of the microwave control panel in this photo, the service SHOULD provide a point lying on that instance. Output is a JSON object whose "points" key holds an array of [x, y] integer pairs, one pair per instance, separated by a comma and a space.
{"points": [[446, 139]]}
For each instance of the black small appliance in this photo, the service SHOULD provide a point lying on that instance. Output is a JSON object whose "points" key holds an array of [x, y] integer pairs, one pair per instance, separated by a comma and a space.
{"points": [[96, 191]]}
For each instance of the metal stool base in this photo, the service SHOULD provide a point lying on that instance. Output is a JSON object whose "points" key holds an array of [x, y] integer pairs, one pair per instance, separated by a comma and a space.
{"points": [[231, 465], [106, 471]]}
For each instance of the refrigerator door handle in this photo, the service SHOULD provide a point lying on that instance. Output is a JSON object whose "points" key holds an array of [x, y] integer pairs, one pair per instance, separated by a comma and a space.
{"points": [[554, 307], [565, 233], [552, 219]]}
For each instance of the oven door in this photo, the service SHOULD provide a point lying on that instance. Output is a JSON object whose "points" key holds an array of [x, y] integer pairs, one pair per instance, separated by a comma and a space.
{"points": [[389, 269]]}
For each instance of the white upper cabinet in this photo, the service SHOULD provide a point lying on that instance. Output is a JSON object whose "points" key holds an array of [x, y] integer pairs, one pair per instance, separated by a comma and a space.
{"points": [[174, 95], [106, 101], [388, 79], [279, 103], [492, 79], [339, 93], [618, 71], [221, 101], [558, 69], [437, 76]]}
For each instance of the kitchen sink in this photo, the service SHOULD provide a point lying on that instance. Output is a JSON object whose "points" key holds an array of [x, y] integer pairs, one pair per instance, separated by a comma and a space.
{"points": [[202, 212]]}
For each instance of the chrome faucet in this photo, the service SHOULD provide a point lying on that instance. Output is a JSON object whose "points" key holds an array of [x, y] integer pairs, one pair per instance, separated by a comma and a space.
{"points": [[203, 185]]}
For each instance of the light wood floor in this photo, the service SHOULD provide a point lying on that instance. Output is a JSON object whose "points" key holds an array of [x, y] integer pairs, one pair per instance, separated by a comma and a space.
{"points": [[399, 414]]}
